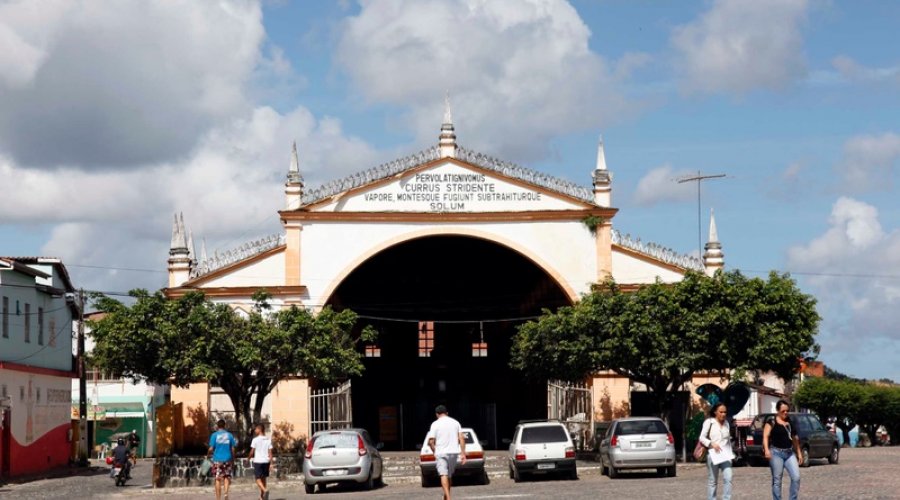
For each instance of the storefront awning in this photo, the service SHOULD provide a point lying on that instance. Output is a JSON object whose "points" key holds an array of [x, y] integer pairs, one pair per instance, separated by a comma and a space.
{"points": [[112, 410]]}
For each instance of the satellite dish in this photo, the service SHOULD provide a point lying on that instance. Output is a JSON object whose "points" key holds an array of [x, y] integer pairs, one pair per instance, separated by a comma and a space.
{"points": [[711, 393], [735, 397]]}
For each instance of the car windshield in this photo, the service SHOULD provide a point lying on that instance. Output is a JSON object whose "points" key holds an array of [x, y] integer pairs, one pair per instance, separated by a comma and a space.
{"points": [[544, 434], [641, 427], [336, 440]]}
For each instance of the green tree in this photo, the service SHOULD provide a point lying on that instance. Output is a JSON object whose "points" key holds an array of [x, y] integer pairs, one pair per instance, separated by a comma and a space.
{"points": [[661, 334], [841, 399], [191, 339]]}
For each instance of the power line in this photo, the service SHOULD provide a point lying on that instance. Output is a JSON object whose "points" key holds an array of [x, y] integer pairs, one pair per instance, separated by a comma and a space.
{"points": [[699, 179]]}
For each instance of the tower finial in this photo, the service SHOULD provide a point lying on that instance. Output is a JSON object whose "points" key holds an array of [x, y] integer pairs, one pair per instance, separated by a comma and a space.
{"points": [[179, 241], [294, 170], [448, 117], [713, 257], [601, 156], [447, 139]]}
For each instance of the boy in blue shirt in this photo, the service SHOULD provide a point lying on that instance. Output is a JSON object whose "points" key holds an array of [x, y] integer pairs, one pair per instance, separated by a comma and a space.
{"points": [[221, 448]]}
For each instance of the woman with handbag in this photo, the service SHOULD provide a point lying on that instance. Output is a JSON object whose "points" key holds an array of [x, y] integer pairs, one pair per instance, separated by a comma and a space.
{"points": [[715, 436]]}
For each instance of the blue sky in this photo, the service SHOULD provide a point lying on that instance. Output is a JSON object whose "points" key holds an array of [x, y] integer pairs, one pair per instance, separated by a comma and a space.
{"points": [[113, 116]]}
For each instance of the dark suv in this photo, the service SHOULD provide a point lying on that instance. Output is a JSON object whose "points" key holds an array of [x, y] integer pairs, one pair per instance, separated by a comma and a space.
{"points": [[815, 440]]}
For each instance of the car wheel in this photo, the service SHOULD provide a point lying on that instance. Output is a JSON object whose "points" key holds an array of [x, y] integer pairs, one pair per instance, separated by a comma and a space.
{"points": [[425, 481], [573, 475], [370, 482], [613, 472], [516, 476], [512, 474], [673, 471], [310, 488], [661, 471], [805, 454], [484, 479], [835, 455]]}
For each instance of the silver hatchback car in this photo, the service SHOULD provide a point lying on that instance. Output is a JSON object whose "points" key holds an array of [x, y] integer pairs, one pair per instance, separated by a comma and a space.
{"points": [[342, 456], [638, 443]]}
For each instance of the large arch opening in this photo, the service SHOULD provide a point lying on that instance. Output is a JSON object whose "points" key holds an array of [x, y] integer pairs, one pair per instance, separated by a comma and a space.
{"points": [[446, 308]]}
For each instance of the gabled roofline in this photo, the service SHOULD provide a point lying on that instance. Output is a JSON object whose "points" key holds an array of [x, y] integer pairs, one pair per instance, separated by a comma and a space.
{"points": [[548, 183]]}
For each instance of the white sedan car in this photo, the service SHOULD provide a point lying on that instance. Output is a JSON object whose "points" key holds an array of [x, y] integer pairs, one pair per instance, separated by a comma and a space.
{"points": [[474, 466]]}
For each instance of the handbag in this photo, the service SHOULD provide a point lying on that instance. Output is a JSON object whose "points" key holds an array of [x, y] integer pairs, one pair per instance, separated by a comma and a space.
{"points": [[699, 449]]}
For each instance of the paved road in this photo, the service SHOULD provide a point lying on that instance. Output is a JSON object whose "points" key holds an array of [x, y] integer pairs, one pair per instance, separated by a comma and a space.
{"points": [[872, 473]]}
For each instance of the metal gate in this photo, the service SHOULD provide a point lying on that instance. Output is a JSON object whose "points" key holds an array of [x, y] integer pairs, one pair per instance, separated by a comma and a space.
{"points": [[330, 408], [572, 404]]}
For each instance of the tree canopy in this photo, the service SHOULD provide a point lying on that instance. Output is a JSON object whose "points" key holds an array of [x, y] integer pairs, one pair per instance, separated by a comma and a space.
{"points": [[661, 334], [191, 339], [851, 402]]}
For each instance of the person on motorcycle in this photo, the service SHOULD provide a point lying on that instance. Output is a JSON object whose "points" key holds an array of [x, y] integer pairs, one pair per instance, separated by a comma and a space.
{"points": [[121, 457]]}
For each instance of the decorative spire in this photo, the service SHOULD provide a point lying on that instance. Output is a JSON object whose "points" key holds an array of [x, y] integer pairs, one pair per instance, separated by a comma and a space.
{"points": [[190, 246], [294, 176], [447, 139], [601, 156], [601, 178], [713, 257], [178, 238], [203, 256], [448, 117]]}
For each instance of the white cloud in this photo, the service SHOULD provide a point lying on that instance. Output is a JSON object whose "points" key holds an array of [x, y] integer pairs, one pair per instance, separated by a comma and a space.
{"points": [[742, 45], [852, 70], [117, 84], [661, 185], [113, 116], [229, 190], [519, 72], [860, 308], [869, 161]]}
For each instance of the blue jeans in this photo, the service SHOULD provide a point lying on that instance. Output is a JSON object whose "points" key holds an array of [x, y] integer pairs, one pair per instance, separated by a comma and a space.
{"points": [[784, 459], [713, 479]]}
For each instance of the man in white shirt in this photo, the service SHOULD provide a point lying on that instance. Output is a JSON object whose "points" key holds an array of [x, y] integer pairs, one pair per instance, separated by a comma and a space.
{"points": [[448, 444], [261, 449]]}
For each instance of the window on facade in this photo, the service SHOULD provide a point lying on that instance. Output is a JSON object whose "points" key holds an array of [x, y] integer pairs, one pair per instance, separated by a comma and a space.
{"points": [[27, 322], [373, 351], [5, 319], [53, 333], [426, 338], [41, 325], [3, 394], [479, 349], [38, 395], [21, 393]]}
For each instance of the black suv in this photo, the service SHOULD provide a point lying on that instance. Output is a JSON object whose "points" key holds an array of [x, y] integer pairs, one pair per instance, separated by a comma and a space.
{"points": [[815, 440]]}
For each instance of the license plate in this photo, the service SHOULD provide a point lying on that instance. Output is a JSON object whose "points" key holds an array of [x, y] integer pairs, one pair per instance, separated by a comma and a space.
{"points": [[643, 444], [336, 472], [546, 466]]}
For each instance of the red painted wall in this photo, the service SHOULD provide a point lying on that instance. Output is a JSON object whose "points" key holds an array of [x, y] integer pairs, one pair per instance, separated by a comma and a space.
{"points": [[48, 451]]}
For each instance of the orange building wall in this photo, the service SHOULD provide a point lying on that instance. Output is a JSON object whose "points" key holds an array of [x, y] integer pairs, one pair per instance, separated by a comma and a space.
{"points": [[612, 396], [290, 413], [194, 401]]}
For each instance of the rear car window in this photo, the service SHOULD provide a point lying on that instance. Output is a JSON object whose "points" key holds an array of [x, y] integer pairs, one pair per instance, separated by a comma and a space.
{"points": [[468, 436], [544, 434], [336, 440], [641, 427], [759, 422]]}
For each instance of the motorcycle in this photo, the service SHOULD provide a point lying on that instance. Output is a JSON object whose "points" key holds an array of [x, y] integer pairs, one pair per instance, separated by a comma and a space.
{"points": [[118, 471]]}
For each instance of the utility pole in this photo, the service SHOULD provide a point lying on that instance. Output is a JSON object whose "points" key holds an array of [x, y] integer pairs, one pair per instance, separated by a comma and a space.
{"points": [[699, 179], [82, 387]]}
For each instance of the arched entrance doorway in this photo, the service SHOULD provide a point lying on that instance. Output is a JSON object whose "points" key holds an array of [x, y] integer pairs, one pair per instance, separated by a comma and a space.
{"points": [[446, 308]]}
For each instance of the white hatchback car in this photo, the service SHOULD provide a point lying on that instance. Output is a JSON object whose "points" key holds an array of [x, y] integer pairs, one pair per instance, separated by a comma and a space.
{"points": [[541, 448], [342, 456], [474, 466], [638, 443]]}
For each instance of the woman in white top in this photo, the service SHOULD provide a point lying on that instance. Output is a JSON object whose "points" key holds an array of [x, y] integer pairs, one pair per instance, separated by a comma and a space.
{"points": [[716, 437]]}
